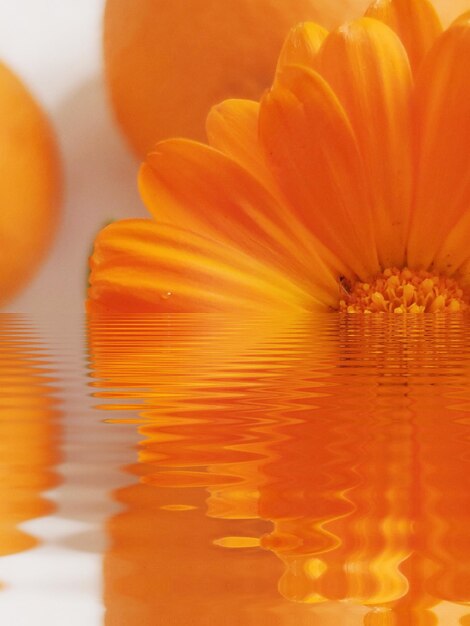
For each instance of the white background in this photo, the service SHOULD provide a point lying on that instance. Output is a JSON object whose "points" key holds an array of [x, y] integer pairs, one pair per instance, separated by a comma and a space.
{"points": [[54, 46]]}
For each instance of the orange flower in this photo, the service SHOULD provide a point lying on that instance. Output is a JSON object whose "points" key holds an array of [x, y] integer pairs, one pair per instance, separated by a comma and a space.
{"points": [[347, 187]]}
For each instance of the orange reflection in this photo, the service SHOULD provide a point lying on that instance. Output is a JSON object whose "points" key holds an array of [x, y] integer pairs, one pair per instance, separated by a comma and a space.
{"points": [[338, 444], [28, 433]]}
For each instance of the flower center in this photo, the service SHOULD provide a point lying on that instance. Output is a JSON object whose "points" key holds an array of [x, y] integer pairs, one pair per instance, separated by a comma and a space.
{"points": [[403, 291]]}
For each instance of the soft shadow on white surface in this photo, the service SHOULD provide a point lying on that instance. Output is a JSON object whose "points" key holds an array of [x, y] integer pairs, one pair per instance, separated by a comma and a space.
{"points": [[100, 185], [52, 45]]}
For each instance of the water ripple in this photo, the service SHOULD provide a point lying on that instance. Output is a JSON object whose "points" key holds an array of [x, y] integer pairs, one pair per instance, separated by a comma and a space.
{"points": [[324, 457]]}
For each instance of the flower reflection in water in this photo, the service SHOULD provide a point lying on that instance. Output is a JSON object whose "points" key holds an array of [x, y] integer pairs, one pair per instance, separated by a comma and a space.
{"points": [[29, 433], [339, 444]]}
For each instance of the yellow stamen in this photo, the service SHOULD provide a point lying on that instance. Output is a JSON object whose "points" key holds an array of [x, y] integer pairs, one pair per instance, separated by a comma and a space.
{"points": [[404, 291]]}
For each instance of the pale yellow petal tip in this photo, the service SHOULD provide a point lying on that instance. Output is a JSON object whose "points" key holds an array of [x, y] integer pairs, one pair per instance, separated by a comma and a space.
{"points": [[462, 20], [301, 45]]}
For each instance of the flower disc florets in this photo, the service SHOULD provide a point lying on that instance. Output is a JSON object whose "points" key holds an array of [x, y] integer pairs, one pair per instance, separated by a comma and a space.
{"points": [[403, 291]]}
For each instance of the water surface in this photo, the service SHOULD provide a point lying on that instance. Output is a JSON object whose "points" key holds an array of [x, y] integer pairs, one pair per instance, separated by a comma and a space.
{"points": [[216, 470]]}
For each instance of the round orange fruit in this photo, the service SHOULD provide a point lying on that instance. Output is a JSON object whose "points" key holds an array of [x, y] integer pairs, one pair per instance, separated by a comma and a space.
{"points": [[167, 62], [29, 184], [450, 9]]}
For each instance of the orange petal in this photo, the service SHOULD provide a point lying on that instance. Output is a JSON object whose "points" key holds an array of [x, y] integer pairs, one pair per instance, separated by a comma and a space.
{"points": [[455, 250], [196, 187], [464, 17], [312, 152], [415, 22], [301, 45], [443, 128], [138, 265], [232, 128], [367, 67]]}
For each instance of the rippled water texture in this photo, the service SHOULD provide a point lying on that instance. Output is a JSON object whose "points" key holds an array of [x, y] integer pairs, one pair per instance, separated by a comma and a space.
{"points": [[267, 471]]}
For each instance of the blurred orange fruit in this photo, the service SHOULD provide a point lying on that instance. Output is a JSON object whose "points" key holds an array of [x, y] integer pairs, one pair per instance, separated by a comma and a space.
{"points": [[29, 184], [167, 63], [450, 9]]}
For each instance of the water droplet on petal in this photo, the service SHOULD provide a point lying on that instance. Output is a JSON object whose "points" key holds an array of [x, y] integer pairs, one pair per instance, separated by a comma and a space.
{"points": [[166, 295]]}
